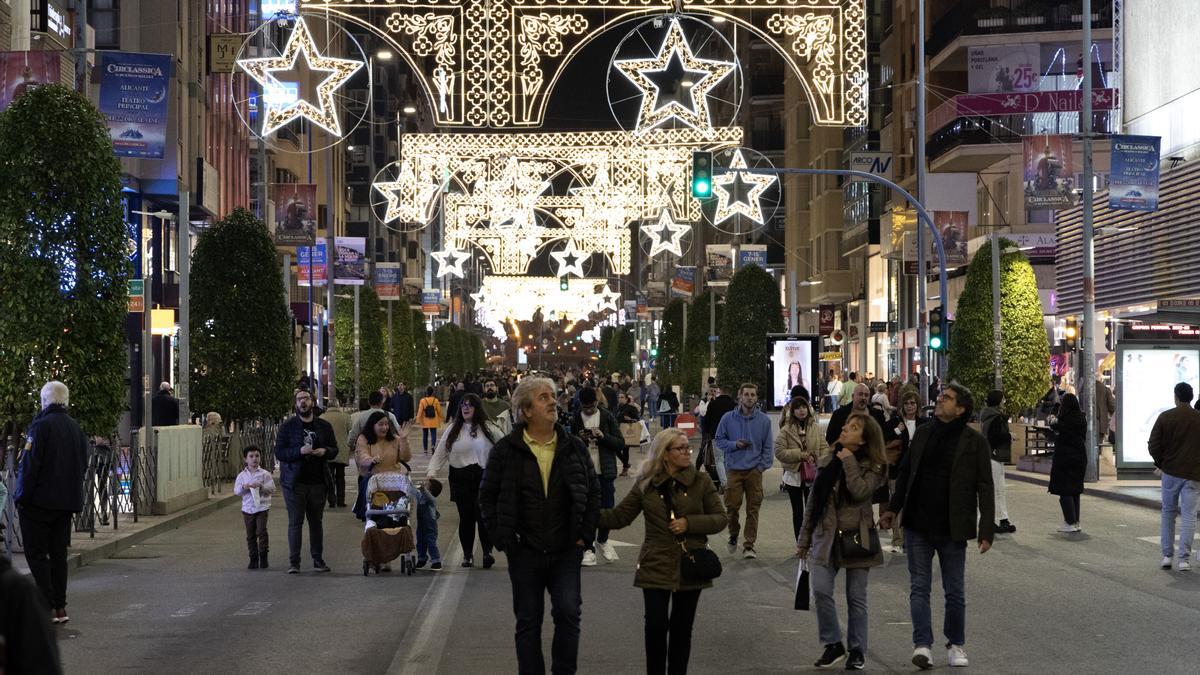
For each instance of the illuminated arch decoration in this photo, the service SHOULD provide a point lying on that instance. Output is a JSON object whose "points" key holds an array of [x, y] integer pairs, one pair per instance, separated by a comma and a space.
{"points": [[494, 63], [405, 200], [501, 299], [450, 262]]}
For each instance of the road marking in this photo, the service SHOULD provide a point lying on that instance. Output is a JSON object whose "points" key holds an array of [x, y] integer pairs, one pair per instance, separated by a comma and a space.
{"points": [[129, 610], [420, 651], [187, 610], [1155, 540], [253, 609]]}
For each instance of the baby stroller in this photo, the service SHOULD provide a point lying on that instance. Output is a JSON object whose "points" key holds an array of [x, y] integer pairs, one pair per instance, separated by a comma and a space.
{"points": [[389, 530]]}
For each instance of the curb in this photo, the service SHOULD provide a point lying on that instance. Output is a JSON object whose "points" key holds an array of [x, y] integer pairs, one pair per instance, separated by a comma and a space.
{"points": [[110, 549], [1093, 492]]}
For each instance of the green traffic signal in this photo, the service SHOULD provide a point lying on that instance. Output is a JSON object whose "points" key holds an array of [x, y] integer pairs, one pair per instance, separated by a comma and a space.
{"points": [[702, 170], [701, 188], [937, 338], [935, 343], [563, 283]]}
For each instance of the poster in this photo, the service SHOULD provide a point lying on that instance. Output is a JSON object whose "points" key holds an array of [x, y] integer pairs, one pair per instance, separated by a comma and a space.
{"points": [[350, 261], [792, 363], [910, 254], [295, 214], [752, 254], [134, 98], [1004, 68], [319, 269], [1134, 180], [683, 284], [1049, 171], [431, 301], [21, 71], [952, 225], [1147, 377], [718, 263], [827, 319], [630, 311], [387, 281]]}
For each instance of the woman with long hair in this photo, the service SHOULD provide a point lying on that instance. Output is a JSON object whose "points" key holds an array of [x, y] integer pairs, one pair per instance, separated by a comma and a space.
{"points": [[838, 533], [380, 447], [798, 446], [465, 445], [667, 477], [1069, 464], [795, 377]]}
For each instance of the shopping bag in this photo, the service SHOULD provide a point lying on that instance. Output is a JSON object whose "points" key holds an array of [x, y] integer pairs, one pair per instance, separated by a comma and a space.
{"points": [[802, 590], [645, 433]]}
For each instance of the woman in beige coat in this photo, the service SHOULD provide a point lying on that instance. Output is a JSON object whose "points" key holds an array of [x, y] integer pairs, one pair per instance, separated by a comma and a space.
{"points": [[800, 440], [841, 503]]}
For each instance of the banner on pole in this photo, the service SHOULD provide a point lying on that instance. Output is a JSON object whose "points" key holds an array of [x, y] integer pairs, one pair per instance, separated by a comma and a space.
{"points": [[431, 302], [320, 272], [752, 254], [1135, 168], [1049, 171], [295, 214], [631, 308], [350, 261], [952, 225], [134, 98], [22, 71], [387, 281], [826, 315], [683, 284], [718, 263]]}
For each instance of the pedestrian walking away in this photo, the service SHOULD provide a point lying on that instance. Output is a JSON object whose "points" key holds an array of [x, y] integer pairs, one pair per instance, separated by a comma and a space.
{"points": [[631, 430], [711, 457], [465, 446], [1069, 464], [304, 444], [1175, 450], [255, 486], [681, 509], [944, 481], [540, 501], [798, 447], [49, 490], [905, 428], [993, 424], [430, 411], [839, 533], [747, 441], [340, 421], [599, 431]]}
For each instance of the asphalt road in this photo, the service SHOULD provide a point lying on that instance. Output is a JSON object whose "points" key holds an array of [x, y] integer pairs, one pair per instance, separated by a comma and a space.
{"points": [[1039, 602]]}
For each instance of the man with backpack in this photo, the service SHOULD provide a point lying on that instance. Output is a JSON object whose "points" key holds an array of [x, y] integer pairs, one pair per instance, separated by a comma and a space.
{"points": [[429, 410]]}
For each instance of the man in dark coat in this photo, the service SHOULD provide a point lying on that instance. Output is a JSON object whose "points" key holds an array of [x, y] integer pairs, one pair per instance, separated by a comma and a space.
{"points": [[598, 429], [710, 455], [164, 408], [1174, 446], [540, 502], [27, 640], [401, 404], [943, 481], [304, 445], [860, 402], [49, 489]]}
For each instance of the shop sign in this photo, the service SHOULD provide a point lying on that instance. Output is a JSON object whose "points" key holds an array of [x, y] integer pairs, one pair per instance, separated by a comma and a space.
{"points": [[831, 356]]}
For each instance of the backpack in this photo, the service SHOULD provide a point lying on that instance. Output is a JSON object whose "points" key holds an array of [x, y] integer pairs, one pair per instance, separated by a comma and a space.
{"points": [[430, 411]]}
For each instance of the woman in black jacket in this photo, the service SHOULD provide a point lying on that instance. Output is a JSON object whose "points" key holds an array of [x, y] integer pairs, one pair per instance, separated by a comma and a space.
{"points": [[1069, 462]]}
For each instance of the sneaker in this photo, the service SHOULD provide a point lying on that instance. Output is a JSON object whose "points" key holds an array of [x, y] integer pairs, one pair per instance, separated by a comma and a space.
{"points": [[1066, 528], [922, 658], [957, 656], [488, 561], [1076, 528], [468, 562], [834, 654], [609, 552], [1008, 527], [320, 566], [437, 566], [1166, 562], [749, 553], [856, 661], [589, 558], [293, 569], [732, 543], [1184, 566], [421, 563], [60, 616]]}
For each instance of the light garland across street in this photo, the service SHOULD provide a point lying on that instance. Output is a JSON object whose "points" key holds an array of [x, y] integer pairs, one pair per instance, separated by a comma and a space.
{"points": [[520, 298]]}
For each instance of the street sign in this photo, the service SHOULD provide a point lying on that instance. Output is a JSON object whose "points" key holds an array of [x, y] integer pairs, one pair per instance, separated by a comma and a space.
{"points": [[878, 163], [137, 295], [714, 338]]}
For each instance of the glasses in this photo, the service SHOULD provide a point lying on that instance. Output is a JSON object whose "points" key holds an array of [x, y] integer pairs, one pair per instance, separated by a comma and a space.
{"points": [[682, 448], [466, 404]]}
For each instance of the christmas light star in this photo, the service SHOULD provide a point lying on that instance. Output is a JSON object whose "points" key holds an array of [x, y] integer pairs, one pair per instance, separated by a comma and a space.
{"points": [[740, 201], [280, 108], [569, 259], [408, 200], [608, 300], [666, 235], [674, 55], [451, 261]]}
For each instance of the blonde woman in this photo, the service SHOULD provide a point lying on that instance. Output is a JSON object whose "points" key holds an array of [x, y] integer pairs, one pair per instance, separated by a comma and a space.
{"points": [[798, 447], [839, 533], [670, 599]]}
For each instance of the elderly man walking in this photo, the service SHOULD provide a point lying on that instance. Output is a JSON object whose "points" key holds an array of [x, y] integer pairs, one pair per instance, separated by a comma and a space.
{"points": [[1175, 448], [49, 490]]}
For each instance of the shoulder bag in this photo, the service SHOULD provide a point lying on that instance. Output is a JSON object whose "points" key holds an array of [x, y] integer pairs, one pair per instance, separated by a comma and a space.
{"points": [[695, 564], [861, 543]]}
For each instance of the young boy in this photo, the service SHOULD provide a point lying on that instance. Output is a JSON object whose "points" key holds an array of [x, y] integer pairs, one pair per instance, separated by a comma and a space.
{"points": [[427, 530], [255, 486]]}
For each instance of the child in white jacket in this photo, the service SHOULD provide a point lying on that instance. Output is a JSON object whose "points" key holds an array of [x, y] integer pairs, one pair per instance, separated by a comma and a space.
{"points": [[255, 486]]}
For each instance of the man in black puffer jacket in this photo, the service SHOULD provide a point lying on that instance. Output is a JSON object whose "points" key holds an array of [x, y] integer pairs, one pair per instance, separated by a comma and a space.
{"points": [[540, 502]]}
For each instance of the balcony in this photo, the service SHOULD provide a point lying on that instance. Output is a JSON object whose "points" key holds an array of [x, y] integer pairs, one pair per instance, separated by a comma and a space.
{"points": [[985, 17]]}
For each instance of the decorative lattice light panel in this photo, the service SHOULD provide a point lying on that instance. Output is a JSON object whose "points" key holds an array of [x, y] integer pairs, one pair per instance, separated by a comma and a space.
{"points": [[501, 299]]}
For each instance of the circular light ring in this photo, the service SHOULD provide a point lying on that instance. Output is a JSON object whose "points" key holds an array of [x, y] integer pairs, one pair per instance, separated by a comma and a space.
{"points": [[745, 194], [404, 198]]}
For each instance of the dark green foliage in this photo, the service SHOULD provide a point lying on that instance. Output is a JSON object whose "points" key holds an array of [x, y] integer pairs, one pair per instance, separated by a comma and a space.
{"points": [[626, 344], [670, 344], [606, 333], [1025, 348], [420, 354], [242, 359], [448, 347], [695, 350], [372, 355], [752, 310], [64, 260], [400, 362]]}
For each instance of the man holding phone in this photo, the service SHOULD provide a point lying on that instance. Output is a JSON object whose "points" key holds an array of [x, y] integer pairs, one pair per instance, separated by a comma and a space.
{"points": [[746, 439], [304, 445], [601, 433]]}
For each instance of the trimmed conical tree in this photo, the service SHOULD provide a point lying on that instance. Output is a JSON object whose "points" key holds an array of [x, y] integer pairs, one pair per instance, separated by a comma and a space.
{"points": [[670, 344], [1024, 348], [372, 350], [626, 345], [420, 354], [695, 350], [242, 364], [752, 310], [64, 260], [400, 362]]}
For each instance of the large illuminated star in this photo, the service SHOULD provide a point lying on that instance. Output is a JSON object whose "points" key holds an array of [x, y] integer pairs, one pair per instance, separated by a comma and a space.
{"points": [[740, 201], [408, 200], [569, 259], [695, 78], [280, 108], [607, 300], [451, 261], [604, 202], [666, 235]]}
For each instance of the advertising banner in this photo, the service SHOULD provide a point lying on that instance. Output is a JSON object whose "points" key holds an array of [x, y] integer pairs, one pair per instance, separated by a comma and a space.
{"points": [[1049, 171], [134, 97], [952, 225], [683, 284], [1141, 372], [387, 281], [295, 214], [631, 308], [643, 307], [752, 254], [320, 271], [718, 263], [831, 356], [910, 253], [431, 302], [1005, 68], [878, 163], [827, 319], [22, 71], [1134, 180], [793, 362], [979, 105], [350, 261]]}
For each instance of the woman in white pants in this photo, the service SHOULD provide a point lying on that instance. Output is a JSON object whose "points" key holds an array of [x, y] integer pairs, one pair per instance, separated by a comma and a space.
{"points": [[993, 423]]}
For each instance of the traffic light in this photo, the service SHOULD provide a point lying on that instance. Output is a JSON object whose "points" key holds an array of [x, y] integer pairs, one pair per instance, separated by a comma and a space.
{"points": [[654, 352], [702, 173], [1071, 334], [937, 327], [1110, 336], [564, 283]]}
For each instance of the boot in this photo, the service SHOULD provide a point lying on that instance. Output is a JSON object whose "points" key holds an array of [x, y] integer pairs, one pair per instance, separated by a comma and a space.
{"points": [[253, 562], [262, 559], [1007, 527]]}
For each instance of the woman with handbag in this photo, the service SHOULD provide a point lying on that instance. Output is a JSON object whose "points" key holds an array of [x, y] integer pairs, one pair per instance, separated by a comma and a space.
{"points": [[797, 447], [681, 508], [839, 533]]}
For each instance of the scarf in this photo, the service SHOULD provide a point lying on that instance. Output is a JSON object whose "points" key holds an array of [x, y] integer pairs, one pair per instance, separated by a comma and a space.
{"points": [[831, 475]]}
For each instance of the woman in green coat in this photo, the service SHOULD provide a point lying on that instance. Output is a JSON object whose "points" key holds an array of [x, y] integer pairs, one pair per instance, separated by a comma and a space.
{"points": [[670, 600]]}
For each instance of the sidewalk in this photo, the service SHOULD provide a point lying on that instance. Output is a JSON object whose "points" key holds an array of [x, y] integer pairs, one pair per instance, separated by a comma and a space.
{"points": [[1147, 493]]}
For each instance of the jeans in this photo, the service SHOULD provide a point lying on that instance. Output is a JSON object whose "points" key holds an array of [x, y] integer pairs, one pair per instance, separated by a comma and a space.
{"points": [[608, 499], [1070, 508], [428, 437], [1178, 499], [952, 556], [305, 500], [464, 489], [623, 455], [257, 540], [828, 628], [797, 495], [748, 483], [338, 496], [427, 528], [532, 574], [669, 618], [1000, 491], [47, 534], [719, 461], [667, 420], [360, 502]]}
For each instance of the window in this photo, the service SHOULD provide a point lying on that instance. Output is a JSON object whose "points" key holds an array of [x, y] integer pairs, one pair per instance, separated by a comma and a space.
{"points": [[104, 16]]}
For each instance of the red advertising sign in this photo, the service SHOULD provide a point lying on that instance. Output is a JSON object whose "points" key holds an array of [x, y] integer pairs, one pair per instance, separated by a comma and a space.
{"points": [[1018, 103], [826, 314], [20, 71]]}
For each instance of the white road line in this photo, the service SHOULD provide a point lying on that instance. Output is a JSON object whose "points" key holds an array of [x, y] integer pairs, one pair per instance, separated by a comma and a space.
{"points": [[420, 652], [129, 610], [253, 609], [187, 610]]}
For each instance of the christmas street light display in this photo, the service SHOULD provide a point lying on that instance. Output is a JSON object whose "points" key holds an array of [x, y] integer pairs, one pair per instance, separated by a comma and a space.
{"points": [[666, 235], [451, 261], [569, 260], [502, 299], [408, 200], [739, 191]]}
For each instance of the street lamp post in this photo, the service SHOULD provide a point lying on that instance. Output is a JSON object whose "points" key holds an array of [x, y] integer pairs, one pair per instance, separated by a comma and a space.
{"points": [[1087, 361]]}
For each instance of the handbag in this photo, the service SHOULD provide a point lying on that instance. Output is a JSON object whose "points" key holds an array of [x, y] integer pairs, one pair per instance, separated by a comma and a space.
{"points": [[859, 544], [695, 564], [808, 472], [803, 594]]}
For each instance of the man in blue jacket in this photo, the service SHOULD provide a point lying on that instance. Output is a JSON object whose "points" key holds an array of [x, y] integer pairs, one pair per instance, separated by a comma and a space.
{"points": [[747, 440], [304, 445]]}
